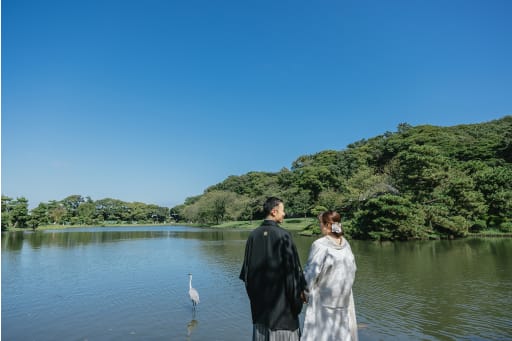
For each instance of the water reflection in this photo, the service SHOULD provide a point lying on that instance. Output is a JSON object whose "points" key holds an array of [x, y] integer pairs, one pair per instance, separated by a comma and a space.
{"points": [[435, 287], [13, 241], [109, 282], [191, 326]]}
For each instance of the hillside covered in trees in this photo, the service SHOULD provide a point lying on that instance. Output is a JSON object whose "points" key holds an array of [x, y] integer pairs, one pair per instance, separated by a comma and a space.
{"points": [[418, 182]]}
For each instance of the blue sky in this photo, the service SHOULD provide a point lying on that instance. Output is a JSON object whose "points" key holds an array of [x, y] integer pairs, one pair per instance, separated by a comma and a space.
{"points": [[156, 100]]}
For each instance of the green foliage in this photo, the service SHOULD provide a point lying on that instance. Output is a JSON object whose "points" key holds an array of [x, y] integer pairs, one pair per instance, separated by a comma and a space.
{"points": [[415, 183], [495, 184], [14, 213], [6, 214], [215, 207], [39, 216], [419, 182], [444, 181], [297, 201], [390, 217], [419, 170], [312, 228], [440, 220], [77, 210], [506, 227], [328, 198], [478, 226]]}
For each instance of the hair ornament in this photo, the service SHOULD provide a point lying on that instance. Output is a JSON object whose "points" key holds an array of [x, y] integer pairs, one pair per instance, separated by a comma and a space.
{"points": [[336, 227]]}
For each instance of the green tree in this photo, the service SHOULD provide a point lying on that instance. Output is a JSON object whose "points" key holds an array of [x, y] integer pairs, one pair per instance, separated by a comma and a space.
{"points": [[218, 203], [298, 202], [390, 217], [71, 204], [39, 216], [19, 216], [329, 199], [6, 212], [56, 212], [441, 221], [363, 185], [495, 183], [464, 199], [419, 170], [86, 212], [212, 207], [111, 210]]}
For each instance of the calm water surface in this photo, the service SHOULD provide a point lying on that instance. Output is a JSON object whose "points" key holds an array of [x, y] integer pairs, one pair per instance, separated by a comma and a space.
{"points": [[132, 284]]}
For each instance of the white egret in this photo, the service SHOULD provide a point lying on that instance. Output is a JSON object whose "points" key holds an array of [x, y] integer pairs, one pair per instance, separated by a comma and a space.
{"points": [[194, 295]]}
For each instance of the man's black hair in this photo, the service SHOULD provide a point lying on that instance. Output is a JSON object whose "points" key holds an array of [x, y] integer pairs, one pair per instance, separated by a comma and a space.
{"points": [[269, 204]]}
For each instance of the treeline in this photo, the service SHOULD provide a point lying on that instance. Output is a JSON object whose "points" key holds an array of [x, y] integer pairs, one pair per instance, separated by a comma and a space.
{"points": [[79, 210], [418, 182]]}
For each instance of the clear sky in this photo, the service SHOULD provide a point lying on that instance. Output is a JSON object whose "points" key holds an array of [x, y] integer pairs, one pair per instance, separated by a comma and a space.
{"points": [[156, 100]]}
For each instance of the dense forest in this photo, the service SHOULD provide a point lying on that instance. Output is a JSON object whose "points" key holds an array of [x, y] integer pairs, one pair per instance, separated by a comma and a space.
{"points": [[416, 183]]}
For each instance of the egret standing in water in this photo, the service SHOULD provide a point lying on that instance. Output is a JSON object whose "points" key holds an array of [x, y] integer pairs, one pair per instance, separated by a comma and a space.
{"points": [[194, 295]]}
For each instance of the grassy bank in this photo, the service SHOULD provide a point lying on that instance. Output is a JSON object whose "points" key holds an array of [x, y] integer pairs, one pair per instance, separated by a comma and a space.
{"points": [[294, 224]]}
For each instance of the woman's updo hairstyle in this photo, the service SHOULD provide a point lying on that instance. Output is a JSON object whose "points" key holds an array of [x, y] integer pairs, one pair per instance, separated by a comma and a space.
{"points": [[330, 218]]}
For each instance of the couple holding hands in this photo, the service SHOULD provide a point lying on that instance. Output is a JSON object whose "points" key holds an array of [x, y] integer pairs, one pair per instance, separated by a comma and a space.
{"points": [[277, 286]]}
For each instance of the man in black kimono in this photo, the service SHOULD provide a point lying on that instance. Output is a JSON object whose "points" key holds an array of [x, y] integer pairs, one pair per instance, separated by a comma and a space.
{"points": [[273, 277]]}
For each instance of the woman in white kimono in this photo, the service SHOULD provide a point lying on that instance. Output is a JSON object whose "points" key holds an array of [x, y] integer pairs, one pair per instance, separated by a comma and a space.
{"points": [[329, 273]]}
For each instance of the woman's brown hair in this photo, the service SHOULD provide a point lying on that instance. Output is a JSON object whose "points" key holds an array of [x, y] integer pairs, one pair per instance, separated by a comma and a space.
{"points": [[328, 218]]}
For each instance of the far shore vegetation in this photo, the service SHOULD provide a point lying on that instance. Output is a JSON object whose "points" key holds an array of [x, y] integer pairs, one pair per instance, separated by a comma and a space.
{"points": [[420, 182], [305, 227]]}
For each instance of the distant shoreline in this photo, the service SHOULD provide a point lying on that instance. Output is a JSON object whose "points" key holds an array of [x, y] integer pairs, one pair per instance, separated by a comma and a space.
{"points": [[291, 224], [294, 224]]}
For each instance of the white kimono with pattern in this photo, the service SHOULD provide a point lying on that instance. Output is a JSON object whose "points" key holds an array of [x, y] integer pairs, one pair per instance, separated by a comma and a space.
{"points": [[330, 271]]}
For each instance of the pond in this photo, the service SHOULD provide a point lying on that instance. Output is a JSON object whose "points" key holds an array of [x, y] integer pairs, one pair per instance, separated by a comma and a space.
{"points": [[131, 283]]}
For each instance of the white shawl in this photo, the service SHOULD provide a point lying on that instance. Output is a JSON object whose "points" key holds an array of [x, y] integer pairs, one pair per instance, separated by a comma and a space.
{"points": [[330, 272]]}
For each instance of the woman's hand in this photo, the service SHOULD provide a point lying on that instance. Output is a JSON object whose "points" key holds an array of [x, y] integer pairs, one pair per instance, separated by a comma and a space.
{"points": [[304, 296]]}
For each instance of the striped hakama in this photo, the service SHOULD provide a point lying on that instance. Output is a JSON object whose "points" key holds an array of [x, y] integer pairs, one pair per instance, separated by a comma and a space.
{"points": [[262, 333]]}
